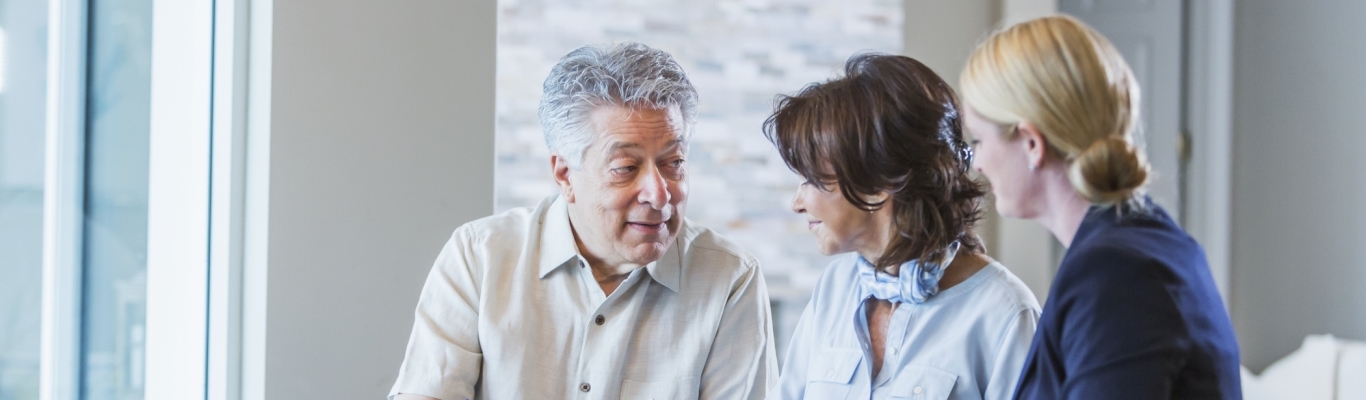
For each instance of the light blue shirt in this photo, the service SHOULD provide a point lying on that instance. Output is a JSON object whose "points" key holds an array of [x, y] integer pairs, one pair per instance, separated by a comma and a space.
{"points": [[966, 342]]}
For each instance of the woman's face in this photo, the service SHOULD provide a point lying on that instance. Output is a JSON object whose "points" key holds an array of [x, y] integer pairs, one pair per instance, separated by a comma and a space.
{"points": [[1004, 160], [839, 226]]}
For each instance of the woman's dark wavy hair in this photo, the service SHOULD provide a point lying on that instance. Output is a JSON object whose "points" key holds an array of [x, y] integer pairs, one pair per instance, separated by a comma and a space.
{"points": [[889, 124]]}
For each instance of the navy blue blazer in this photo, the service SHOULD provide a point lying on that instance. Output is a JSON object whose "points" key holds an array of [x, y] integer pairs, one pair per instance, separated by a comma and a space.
{"points": [[1133, 314]]}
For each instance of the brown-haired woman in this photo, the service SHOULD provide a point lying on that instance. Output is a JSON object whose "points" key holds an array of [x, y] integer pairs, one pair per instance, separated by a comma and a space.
{"points": [[1133, 312], [916, 309]]}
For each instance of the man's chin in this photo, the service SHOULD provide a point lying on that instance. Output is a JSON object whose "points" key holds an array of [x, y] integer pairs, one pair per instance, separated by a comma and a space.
{"points": [[645, 253]]}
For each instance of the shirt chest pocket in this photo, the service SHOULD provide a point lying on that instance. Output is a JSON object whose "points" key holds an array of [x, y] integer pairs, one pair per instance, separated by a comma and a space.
{"points": [[923, 383], [661, 389], [830, 372]]}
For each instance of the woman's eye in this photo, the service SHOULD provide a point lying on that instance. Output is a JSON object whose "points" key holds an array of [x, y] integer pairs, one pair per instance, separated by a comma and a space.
{"points": [[974, 142], [823, 186]]}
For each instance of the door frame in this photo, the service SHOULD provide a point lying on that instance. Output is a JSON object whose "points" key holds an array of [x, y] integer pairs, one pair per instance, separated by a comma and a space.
{"points": [[1208, 125]]}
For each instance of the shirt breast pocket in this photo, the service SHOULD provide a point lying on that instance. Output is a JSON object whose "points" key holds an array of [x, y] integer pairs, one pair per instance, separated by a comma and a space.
{"points": [[830, 372], [660, 389], [923, 383]]}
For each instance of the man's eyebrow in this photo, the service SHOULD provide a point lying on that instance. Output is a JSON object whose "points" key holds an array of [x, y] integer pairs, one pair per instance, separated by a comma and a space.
{"points": [[621, 146]]}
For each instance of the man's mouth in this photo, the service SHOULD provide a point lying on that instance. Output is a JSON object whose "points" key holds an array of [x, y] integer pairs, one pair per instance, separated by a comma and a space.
{"points": [[647, 226]]}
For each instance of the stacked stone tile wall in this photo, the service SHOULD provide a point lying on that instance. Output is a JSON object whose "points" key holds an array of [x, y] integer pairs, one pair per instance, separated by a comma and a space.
{"points": [[740, 55]]}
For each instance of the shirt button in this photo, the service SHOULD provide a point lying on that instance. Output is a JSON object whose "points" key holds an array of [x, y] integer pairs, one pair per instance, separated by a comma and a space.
{"points": [[830, 374], [599, 320], [893, 351], [584, 387], [917, 389]]}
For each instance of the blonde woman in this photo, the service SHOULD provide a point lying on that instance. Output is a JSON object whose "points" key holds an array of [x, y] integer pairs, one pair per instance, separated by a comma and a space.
{"points": [[1133, 312]]}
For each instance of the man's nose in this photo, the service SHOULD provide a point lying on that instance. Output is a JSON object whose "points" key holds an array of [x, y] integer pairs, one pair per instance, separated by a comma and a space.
{"points": [[654, 189]]}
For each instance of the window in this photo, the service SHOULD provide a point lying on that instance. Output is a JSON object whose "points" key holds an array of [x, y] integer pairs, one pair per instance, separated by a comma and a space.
{"points": [[81, 212], [23, 55], [118, 114]]}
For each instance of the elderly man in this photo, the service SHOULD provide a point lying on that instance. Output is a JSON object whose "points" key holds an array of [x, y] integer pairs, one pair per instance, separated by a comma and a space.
{"points": [[604, 291]]}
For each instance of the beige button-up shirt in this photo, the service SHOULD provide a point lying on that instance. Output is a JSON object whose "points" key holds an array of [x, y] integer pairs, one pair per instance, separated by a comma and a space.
{"points": [[511, 311]]}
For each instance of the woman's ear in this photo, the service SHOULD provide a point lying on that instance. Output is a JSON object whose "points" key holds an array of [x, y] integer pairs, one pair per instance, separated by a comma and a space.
{"points": [[880, 197], [1035, 145]]}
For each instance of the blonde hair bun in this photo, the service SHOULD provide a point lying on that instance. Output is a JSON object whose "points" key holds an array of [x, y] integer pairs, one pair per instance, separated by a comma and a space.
{"points": [[1071, 83], [1110, 171]]}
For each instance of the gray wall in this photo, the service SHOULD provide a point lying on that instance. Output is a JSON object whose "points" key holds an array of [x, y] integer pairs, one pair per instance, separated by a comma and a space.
{"points": [[381, 144], [1299, 178]]}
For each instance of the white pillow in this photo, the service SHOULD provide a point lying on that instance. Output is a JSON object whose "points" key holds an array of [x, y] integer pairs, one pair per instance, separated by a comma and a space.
{"points": [[1306, 374], [1351, 370]]}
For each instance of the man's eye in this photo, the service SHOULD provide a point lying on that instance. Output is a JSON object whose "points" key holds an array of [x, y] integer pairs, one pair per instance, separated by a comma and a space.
{"points": [[676, 163], [624, 170]]}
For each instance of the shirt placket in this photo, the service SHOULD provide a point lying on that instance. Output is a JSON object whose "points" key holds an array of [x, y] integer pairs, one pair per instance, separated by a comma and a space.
{"points": [[862, 387], [600, 350], [895, 346]]}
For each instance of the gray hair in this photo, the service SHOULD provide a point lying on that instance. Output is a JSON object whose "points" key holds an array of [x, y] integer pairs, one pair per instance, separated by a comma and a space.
{"points": [[630, 74]]}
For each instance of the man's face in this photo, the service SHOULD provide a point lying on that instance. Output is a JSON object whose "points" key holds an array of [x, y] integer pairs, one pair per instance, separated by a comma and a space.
{"points": [[626, 200]]}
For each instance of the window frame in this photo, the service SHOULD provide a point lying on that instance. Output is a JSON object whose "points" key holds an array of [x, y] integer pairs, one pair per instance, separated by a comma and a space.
{"points": [[178, 199], [196, 199], [63, 200]]}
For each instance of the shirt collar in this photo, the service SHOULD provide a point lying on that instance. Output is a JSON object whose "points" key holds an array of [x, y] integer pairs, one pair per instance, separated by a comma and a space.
{"points": [[559, 248], [557, 238], [668, 270]]}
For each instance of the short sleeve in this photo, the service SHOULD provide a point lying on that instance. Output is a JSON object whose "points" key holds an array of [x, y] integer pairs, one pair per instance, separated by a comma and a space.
{"points": [[742, 364], [443, 358], [1010, 356]]}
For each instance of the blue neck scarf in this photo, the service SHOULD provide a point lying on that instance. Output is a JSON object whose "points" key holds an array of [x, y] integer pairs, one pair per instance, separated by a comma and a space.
{"points": [[916, 282]]}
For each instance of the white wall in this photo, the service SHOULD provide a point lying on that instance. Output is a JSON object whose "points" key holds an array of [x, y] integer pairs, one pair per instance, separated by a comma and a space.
{"points": [[1299, 180], [1017, 11], [942, 34], [380, 135]]}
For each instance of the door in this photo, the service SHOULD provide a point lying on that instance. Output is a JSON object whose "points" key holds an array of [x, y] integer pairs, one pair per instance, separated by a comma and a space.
{"points": [[1149, 35]]}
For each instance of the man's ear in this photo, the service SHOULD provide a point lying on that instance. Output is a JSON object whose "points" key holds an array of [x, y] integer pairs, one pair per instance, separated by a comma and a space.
{"points": [[1036, 145], [559, 167]]}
